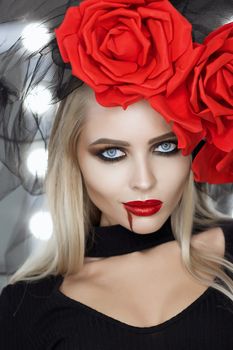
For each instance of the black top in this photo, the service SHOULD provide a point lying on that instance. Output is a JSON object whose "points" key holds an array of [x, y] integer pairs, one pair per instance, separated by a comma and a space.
{"points": [[38, 316]]}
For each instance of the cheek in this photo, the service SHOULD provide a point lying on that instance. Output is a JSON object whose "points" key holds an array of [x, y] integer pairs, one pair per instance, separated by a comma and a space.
{"points": [[99, 181], [172, 178], [102, 193]]}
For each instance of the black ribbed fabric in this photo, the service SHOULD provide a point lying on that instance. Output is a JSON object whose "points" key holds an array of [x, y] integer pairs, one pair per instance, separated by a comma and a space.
{"points": [[37, 316], [117, 240]]}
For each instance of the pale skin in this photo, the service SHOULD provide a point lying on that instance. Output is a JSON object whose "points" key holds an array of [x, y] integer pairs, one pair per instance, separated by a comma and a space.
{"points": [[148, 287]]}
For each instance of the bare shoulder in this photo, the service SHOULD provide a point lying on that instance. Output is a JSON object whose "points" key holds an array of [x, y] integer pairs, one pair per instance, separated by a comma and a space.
{"points": [[213, 239]]}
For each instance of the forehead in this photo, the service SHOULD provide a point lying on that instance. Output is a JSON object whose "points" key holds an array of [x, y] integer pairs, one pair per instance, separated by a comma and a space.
{"points": [[137, 120]]}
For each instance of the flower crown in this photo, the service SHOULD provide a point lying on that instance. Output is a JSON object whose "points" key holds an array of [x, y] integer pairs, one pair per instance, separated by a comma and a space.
{"points": [[128, 50]]}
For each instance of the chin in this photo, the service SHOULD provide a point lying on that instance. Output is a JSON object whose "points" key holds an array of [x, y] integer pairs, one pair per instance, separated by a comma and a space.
{"points": [[149, 224]]}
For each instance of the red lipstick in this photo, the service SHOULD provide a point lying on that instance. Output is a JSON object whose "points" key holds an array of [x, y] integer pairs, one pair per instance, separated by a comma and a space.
{"points": [[143, 208]]}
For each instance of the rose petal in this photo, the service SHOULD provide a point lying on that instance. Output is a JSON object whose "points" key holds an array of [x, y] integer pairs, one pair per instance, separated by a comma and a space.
{"points": [[216, 108], [86, 65], [138, 89], [183, 67], [114, 97], [226, 163], [122, 45], [214, 66], [117, 68], [221, 34], [140, 77], [224, 139], [228, 45], [88, 29], [161, 49], [176, 108], [187, 141], [207, 166], [221, 89]]}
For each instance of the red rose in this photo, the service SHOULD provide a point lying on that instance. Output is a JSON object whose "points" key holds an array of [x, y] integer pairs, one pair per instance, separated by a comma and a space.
{"points": [[126, 50], [177, 111], [213, 165], [211, 87], [211, 97]]}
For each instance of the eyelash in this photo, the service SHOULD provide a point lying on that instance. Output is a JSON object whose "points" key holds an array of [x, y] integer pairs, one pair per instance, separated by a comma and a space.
{"points": [[116, 159]]}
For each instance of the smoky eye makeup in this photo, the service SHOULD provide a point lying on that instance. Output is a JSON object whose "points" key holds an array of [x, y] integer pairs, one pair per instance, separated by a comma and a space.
{"points": [[113, 153]]}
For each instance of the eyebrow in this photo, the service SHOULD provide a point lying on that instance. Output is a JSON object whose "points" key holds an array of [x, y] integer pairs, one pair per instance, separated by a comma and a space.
{"points": [[124, 143]]}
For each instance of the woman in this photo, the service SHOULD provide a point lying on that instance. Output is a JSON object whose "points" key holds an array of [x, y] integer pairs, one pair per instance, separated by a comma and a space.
{"points": [[139, 257]]}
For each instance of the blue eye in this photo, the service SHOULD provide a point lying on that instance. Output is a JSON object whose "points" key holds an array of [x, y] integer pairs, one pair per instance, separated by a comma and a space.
{"points": [[111, 153], [114, 154], [167, 147]]}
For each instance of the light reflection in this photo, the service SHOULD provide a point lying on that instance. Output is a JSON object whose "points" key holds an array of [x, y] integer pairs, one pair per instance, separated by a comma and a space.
{"points": [[38, 100], [227, 20], [41, 226], [35, 36], [37, 162]]}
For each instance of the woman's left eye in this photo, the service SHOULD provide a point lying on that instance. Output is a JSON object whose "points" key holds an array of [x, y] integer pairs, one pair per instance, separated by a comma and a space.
{"points": [[167, 147]]}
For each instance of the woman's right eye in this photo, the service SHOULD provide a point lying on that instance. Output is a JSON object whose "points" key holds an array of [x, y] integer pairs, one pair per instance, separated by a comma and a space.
{"points": [[111, 154]]}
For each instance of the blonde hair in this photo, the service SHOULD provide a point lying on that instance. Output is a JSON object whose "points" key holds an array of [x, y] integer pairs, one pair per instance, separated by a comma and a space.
{"points": [[74, 215]]}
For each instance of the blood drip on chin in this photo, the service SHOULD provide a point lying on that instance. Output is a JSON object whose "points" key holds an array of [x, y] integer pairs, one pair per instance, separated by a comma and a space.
{"points": [[130, 219]]}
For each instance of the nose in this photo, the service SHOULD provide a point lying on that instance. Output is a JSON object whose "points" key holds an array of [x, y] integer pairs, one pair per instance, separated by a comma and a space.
{"points": [[143, 177]]}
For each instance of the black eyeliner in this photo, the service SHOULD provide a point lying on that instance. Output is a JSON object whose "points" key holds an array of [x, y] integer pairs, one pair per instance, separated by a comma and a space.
{"points": [[162, 154], [99, 154]]}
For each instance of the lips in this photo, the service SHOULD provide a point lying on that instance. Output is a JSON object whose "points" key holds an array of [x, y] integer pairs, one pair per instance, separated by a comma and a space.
{"points": [[143, 208], [147, 203]]}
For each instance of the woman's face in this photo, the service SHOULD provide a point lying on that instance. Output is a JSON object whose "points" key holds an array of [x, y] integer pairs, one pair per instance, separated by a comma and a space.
{"points": [[131, 155]]}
